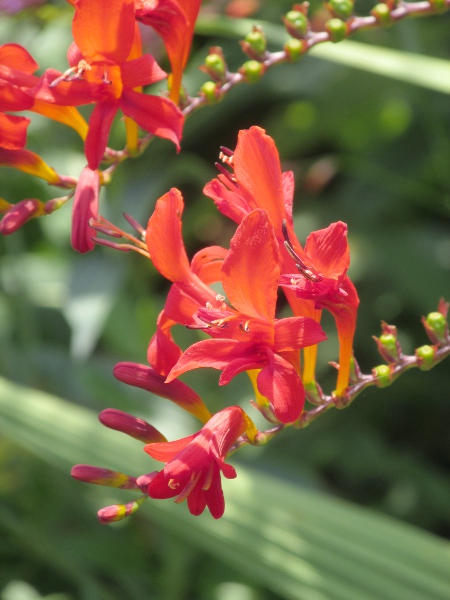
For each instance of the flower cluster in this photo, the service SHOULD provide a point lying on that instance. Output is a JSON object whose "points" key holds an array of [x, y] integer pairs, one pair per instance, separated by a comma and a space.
{"points": [[244, 333], [108, 70]]}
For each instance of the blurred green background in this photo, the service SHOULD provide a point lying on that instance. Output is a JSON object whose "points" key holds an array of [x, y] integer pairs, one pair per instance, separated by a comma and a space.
{"points": [[367, 149]]}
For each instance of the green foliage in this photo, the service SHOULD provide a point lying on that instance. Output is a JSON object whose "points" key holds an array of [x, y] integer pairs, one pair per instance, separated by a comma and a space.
{"points": [[365, 126]]}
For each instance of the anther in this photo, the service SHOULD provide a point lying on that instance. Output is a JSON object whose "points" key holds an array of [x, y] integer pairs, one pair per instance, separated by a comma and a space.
{"points": [[225, 172], [244, 327]]}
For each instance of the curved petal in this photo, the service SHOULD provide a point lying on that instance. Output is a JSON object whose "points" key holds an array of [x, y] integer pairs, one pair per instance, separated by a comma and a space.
{"points": [[99, 127], [163, 352], [258, 173], [229, 201], [207, 263], [207, 353], [155, 114], [166, 451], [279, 382], [85, 207], [16, 57], [13, 131], [294, 333], [104, 29], [13, 98], [164, 240], [329, 251], [250, 272], [29, 162], [178, 392], [141, 71]]}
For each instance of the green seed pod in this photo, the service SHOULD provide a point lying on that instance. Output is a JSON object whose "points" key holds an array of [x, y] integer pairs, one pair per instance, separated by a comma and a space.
{"points": [[257, 43], [296, 23], [382, 13], [389, 344], [252, 70], [341, 8], [437, 323], [337, 30], [209, 90], [439, 5], [426, 355], [293, 49], [215, 66], [383, 375]]}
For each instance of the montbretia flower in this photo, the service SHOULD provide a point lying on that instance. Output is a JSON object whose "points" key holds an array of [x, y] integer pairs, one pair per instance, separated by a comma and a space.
{"points": [[248, 336], [194, 464], [256, 181], [106, 71], [174, 21]]}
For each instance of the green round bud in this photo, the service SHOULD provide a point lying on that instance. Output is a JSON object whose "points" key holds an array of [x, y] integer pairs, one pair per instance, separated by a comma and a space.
{"points": [[296, 22], [337, 30], [437, 322], [341, 8], [215, 65], [293, 49], [439, 5], [252, 70], [209, 89], [383, 376], [389, 341], [426, 355], [382, 13], [257, 41]]}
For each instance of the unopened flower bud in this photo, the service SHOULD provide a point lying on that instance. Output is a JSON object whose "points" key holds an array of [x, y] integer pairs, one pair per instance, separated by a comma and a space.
{"points": [[255, 44], [439, 5], [105, 477], [209, 91], [19, 214], [382, 13], [425, 357], [252, 70], [337, 30], [341, 8], [117, 512], [387, 347], [436, 327], [296, 23], [132, 426], [294, 48], [215, 65], [383, 376]]}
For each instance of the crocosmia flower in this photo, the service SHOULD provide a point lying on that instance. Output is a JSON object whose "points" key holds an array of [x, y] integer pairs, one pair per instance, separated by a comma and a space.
{"points": [[105, 71], [194, 464], [248, 336], [256, 181]]}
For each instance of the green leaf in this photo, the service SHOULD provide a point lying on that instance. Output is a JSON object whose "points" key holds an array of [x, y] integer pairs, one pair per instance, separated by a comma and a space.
{"points": [[424, 71], [299, 543]]}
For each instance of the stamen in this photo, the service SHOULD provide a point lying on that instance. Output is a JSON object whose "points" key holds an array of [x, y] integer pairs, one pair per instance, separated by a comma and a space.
{"points": [[226, 156], [135, 225], [220, 298], [225, 172], [226, 151], [244, 327], [72, 73], [103, 226], [307, 272], [105, 78]]}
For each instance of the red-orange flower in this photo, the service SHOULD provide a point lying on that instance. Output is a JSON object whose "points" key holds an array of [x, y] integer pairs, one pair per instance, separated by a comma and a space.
{"points": [[194, 463], [257, 181], [174, 20], [250, 337], [104, 56]]}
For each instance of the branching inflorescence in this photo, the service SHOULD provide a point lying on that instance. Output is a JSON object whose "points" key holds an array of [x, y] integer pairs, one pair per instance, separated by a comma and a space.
{"points": [[108, 69]]}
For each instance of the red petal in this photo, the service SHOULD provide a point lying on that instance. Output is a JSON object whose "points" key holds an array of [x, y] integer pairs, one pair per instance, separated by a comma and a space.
{"points": [[280, 383], [250, 272], [329, 251], [85, 207], [16, 57], [258, 173], [207, 353], [163, 237], [294, 333], [207, 263], [13, 131], [228, 201], [104, 29], [13, 98], [155, 114], [166, 451], [99, 127], [141, 71]]}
